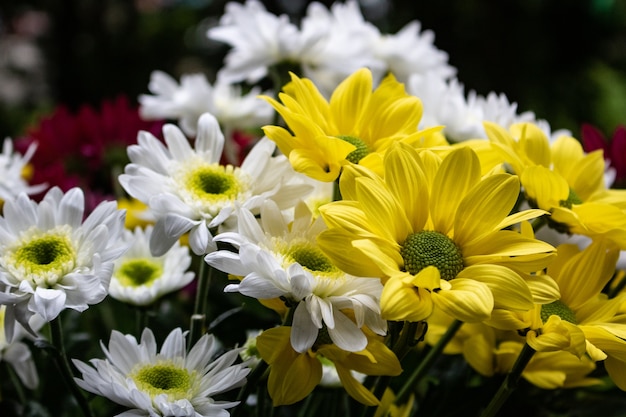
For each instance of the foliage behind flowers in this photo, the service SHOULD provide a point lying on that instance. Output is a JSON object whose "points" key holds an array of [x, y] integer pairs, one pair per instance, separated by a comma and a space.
{"points": [[391, 247]]}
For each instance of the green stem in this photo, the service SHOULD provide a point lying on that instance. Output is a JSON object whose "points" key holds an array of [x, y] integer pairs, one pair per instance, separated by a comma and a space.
{"points": [[56, 335], [539, 222], [141, 320], [510, 382], [427, 362], [198, 318], [251, 383], [17, 384], [401, 347], [336, 191]]}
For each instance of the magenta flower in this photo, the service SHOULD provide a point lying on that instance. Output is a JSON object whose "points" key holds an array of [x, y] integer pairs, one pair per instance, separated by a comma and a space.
{"points": [[614, 149]]}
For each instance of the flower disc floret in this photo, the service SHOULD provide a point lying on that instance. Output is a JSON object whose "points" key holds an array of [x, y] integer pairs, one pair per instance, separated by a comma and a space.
{"points": [[42, 259], [361, 151], [430, 248], [164, 378], [210, 187], [311, 258], [572, 199], [558, 308], [136, 272]]}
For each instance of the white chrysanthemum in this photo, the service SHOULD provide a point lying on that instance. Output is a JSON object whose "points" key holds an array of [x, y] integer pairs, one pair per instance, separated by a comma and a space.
{"points": [[168, 383], [283, 260], [334, 43], [445, 105], [187, 101], [17, 354], [140, 278], [12, 167], [189, 191], [410, 52], [259, 39], [496, 108], [50, 259]]}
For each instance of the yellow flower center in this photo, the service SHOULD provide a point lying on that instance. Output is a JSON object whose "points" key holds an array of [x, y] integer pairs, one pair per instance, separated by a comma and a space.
{"points": [[558, 308], [164, 378], [137, 272], [310, 258], [430, 248], [208, 188], [361, 150], [572, 198], [42, 259]]}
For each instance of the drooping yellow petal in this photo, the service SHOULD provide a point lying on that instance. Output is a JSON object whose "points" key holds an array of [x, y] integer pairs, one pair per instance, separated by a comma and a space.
{"points": [[354, 388], [400, 301], [509, 290], [546, 188], [468, 300], [533, 143]]}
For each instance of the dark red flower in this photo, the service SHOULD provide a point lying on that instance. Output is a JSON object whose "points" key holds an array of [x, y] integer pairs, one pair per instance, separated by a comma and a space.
{"points": [[614, 149], [87, 148]]}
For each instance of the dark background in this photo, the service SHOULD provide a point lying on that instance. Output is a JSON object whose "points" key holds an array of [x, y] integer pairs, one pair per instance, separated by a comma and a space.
{"points": [[565, 60]]}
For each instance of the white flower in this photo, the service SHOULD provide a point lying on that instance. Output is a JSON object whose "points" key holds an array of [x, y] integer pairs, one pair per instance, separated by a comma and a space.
{"points": [[335, 43], [189, 191], [410, 52], [168, 383], [283, 260], [16, 353], [140, 278], [195, 95], [258, 38], [50, 259], [12, 167]]}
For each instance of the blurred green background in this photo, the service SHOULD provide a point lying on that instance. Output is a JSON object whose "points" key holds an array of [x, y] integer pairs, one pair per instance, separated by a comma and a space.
{"points": [[564, 60]]}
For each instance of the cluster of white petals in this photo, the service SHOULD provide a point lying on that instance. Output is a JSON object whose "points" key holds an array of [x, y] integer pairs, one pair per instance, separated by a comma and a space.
{"points": [[50, 259], [278, 259], [12, 168], [194, 95], [328, 45], [189, 191], [171, 382]]}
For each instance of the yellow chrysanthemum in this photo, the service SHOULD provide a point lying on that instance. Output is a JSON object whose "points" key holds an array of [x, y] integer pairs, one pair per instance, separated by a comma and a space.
{"points": [[353, 127], [583, 320], [294, 375], [490, 351], [432, 229], [562, 179]]}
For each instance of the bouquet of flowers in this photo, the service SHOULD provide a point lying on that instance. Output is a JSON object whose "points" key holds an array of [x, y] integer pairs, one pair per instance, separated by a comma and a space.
{"points": [[331, 227]]}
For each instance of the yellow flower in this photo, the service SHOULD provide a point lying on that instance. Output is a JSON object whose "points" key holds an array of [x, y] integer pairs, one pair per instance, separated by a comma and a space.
{"points": [[136, 213], [583, 320], [562, 179], [294, 375], [432, 230], [388, 408], [350, 128]]}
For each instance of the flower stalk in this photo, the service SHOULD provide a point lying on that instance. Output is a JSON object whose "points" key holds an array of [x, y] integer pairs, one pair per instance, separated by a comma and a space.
{"points": [[198, 318], [510, 382], [60, 357], [427, 362]]}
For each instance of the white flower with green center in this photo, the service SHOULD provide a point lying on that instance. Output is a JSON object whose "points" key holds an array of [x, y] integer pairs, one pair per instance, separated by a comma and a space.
{"points": [[140, 278], [278, 259], [188, 190], [51, 260], [169, 383]]}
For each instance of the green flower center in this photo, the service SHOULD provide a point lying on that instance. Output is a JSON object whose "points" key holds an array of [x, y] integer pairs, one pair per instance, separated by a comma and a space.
{"points": [[572, 198], [164, 378], [44, 259], [430, 248], [137, 272], [212, 180], [310, 258], [558, 308], [361, 150]]}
